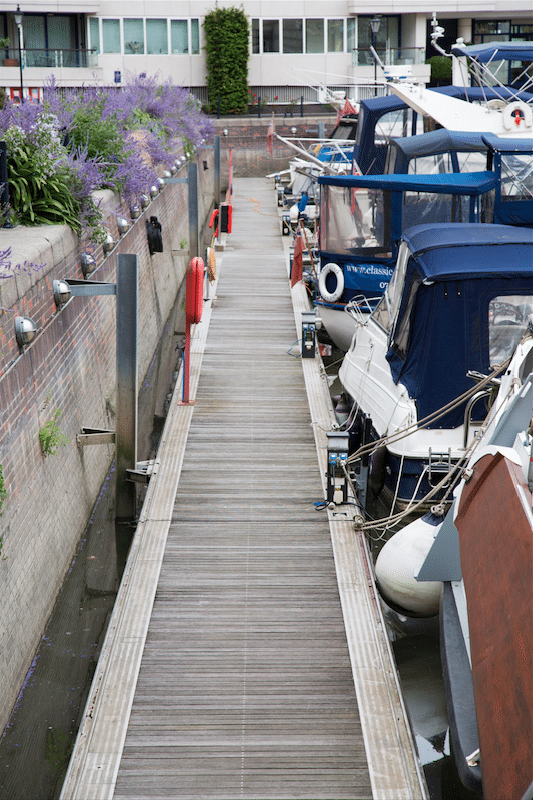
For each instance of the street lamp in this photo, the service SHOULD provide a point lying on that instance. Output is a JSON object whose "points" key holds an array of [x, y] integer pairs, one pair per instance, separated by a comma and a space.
{"points": [[375, 24], [18, 23]]}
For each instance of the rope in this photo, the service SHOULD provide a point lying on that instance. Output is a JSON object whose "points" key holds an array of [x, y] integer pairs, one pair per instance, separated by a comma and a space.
{"points": [[433, 417], [452, 478]]}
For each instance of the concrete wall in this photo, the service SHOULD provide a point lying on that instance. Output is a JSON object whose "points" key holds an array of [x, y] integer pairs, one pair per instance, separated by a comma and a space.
{"points": [[70, 367]]}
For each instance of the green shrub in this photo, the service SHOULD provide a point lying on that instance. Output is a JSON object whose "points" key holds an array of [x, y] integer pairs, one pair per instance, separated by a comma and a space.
{"points": [[227, 34], [441, 69]]}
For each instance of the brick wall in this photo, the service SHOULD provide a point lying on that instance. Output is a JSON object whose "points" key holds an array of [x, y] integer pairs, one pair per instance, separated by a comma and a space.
{"points": [[247, 138], [70, 366]]}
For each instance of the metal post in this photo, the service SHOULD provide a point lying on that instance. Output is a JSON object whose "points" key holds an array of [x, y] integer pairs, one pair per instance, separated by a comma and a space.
{"points": [[321, 129], [20, 64], [126, 421], [302, 105], [194, 231], [259, 105], [216, 151]]}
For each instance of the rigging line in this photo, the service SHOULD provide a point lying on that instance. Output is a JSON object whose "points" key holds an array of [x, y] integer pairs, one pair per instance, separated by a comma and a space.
{"points": [[433, 417]]}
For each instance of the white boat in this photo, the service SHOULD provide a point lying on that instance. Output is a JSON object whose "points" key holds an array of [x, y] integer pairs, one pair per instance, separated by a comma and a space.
{"points": [[482, 555], [421, 366]]}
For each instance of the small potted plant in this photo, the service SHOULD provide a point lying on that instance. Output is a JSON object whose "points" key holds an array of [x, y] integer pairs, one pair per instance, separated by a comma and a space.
{"points": [[6, 61]]}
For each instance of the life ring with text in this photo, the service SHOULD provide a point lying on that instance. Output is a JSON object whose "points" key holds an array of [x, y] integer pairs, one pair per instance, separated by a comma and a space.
{"points": [[336, 282]]}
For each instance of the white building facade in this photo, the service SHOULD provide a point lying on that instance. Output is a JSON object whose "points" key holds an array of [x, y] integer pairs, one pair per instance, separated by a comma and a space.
{"points": [[293, 46]]}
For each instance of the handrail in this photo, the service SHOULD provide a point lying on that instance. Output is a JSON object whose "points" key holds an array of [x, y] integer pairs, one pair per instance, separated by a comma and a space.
{"points": [[59, 57]]}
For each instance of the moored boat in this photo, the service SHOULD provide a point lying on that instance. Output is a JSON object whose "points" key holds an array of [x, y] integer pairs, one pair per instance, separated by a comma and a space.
{"points": [[422, 366]]}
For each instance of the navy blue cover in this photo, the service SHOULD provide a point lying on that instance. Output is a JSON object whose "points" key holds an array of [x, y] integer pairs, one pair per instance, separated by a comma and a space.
{"points": [[496, 51], [469, 183], [453, 274]]}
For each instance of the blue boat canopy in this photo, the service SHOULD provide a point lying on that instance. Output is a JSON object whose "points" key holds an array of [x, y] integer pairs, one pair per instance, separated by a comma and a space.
{"points": [[456, 279], [496, 51], [469, 183], [406, 148]]}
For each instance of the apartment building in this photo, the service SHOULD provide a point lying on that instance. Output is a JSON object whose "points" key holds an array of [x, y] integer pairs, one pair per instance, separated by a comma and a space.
{"points": [[293, 45]]}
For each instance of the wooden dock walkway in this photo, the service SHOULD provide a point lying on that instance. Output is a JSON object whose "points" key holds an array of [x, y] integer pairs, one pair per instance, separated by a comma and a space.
{"points": [[227, 671]]}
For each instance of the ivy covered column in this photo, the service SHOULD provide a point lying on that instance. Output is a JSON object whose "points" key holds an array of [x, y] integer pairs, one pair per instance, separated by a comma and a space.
{"points": [[226, 34]]}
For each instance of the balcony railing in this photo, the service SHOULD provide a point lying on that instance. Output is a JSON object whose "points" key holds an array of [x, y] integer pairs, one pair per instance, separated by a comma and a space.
{"points": [[48, 58], [391, 56]]}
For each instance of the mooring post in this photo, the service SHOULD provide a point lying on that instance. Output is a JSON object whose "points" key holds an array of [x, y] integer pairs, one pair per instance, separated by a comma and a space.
{"points": [[194, 231], [126, 420], [216, 151]]}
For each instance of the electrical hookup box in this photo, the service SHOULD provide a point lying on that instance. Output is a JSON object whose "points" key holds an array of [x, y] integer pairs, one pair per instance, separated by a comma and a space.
{"points": [[308, 334]]}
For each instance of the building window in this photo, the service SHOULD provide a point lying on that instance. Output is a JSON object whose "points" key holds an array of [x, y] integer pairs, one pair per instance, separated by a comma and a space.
{"points": [[94, 33], [133, 36], [388, 34], [256, 49], [111, 36], [351, 33], [314, 35], [179, 37], [156, 36], [195, 37], [293, 36], [270, 36], [335, 36]]}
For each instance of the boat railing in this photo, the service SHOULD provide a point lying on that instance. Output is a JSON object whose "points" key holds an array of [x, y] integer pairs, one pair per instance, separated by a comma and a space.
{"points": [[360, 308]]}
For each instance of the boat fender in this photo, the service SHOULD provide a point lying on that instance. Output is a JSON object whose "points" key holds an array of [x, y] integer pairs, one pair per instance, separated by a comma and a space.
{"points": [[213, 219], [325, 272], [399, 560], [376, 474]]}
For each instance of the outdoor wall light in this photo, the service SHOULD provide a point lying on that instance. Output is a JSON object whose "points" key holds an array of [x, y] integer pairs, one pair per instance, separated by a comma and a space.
{"points": [[88, 263], [109, 243], [167, 174], [123, 225], [25, 330], [145, 201], [61, 292], [225, 131], [135, 212], [293, 131], [161, 183], [173, 169], [154, 191]]}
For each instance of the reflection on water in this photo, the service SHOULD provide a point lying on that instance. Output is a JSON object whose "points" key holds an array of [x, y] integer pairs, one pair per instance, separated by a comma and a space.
{"points": [[37, 742]]}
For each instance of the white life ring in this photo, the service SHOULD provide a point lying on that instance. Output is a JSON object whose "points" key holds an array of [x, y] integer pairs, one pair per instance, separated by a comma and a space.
{"points": [[331, 269]]}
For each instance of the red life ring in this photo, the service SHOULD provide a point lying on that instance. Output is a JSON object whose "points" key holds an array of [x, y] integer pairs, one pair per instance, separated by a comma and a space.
{"points": [[194, 291]]}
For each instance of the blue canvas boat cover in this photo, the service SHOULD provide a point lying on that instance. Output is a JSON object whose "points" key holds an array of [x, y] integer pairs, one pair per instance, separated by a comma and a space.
{"points": [[469, 183], [434, 143], [442, 327], [496, 51]]}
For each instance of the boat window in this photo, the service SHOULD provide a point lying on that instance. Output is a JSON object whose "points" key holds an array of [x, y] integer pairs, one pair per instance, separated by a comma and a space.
{"points": [[381, 312], [509, 316], [394, 124], [445, 162], [402, 329], [354, 221], [394, 289], [426, 208], [517, 177]]}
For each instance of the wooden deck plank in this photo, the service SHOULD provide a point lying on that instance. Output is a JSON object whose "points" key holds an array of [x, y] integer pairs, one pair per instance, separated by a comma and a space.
{"points": [[247, 612], [226, 672]]}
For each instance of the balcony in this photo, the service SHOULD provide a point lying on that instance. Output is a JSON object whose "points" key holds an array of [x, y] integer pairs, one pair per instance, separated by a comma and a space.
{"points": [[58, 59], [391, 56]]}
